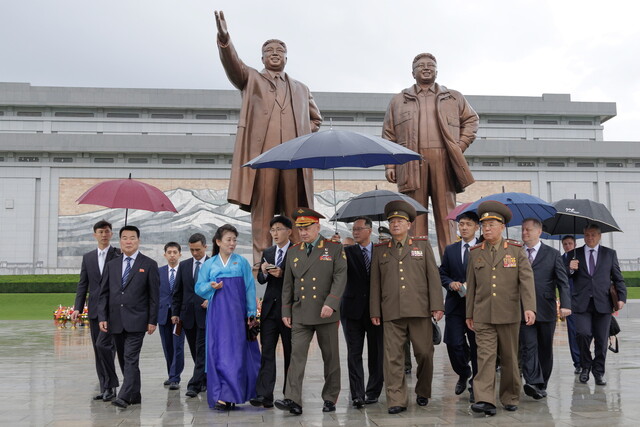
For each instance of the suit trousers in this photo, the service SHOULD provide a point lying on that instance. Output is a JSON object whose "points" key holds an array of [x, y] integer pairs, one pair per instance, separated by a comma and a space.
{"points": [[327, 336], [593, 326], [461, 346], [436, 182], [573, 343], [196, 338], [104, 351], [129, 344], [396, 332], [497, 340], [354, 334], [270, 330], [536, 352], [173, 347]]}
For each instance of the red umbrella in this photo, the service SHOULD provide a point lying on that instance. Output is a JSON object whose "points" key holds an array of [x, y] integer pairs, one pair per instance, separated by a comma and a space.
{"points": [[128, 194], [458, 210]]}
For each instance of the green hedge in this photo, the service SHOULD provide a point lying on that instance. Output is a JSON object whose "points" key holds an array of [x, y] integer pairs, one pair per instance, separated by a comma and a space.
{"points": [[39, 283]]}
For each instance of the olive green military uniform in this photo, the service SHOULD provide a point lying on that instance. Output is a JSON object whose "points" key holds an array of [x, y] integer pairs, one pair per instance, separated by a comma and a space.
{"points": [[499, 286], [405, 289], [311, 282]]}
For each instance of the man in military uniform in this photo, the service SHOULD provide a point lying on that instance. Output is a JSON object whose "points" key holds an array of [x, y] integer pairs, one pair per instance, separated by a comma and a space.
{"points": [[499, 283], [314, 280], [405, 293]]}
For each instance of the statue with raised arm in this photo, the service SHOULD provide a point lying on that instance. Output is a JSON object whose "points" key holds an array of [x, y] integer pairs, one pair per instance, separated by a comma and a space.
{"points": [[275, 108], [440, 124]]}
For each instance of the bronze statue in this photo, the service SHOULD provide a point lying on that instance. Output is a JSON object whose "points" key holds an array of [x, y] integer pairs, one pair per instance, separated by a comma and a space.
{"points": [[439, 124], [275, 109]]}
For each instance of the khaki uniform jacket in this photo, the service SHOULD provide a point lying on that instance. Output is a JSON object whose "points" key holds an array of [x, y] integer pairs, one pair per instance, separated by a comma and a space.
{"points": [[405, 284], [258, 100], [458, 124], [313, 281], [498, 291]]}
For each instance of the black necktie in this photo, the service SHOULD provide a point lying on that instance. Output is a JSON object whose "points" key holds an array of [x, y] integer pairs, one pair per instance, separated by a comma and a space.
{"points": [[279, 259], [465, 258], [367, 259], [196, 272], [309, 249]]}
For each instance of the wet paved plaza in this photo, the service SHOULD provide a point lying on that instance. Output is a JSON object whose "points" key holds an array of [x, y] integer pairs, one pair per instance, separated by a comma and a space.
{"points": [[48, 379]]}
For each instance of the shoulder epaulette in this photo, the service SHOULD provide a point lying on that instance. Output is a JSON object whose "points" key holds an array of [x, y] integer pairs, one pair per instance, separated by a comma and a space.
{"points": [[380, 244], [420, 238], [292, 245], [512, 243], [479, 245], [331, 241]]}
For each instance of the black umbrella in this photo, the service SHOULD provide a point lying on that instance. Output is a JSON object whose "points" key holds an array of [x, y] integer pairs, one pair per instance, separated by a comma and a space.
{"points": [[371, 204], [575, 214]]}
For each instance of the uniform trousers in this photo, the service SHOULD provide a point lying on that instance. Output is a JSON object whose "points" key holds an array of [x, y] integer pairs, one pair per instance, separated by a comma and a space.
{"points": [[396, 332], [436, 182], [104, 352], [327, 336], [536, 352], [493, 340], [128, 346], [593, 326]]}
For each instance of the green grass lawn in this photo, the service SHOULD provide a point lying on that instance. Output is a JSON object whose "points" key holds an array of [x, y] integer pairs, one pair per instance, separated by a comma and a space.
{"points": [[32, 306]]}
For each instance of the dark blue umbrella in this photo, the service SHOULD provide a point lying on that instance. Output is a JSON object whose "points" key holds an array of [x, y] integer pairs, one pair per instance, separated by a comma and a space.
{"points": [[333, 149], [522, 206]]}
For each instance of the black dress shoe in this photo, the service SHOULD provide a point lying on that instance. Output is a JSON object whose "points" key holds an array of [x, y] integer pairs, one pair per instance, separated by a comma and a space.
{"points": [[577, 370], [98, 396], [174, 386], [328, 406], [485, 407], [357, 403], [135, 400], [191, 393], [167, 382], [461, 385], [533, 391], [288, 405], [472, 397], [422, 401], [203, 389], [370, 400], [109, 394], [396, 409], [120, 403], [599, 379], [220, 406], [584, 375], [261, 402], [511, 408]]}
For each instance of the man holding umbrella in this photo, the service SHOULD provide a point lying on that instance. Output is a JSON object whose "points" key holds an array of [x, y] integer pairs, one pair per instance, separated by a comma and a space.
{"points": [[594, 268]]}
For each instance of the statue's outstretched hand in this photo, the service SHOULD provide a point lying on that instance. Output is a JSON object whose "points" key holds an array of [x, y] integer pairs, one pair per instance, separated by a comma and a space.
{"points": [[221, 23], [390, 174]]}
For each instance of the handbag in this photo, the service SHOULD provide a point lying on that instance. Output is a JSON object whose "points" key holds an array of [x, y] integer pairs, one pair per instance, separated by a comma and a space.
{"points": [[613, 293], [437, 333], [253, 328], [614, 329]]}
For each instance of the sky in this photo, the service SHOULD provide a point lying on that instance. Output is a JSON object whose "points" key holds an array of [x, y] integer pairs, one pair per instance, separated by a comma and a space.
{"points": [[587, 48]]}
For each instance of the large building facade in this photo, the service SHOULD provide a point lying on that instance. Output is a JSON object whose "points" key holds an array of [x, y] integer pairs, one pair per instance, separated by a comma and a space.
{"points": [[56, 142]]}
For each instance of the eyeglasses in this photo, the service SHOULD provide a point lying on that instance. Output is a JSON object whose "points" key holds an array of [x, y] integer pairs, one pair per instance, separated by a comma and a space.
{"points": [[360, 228], [277, 230]]}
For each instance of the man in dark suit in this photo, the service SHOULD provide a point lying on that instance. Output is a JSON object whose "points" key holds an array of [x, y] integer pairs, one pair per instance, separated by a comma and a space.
{"points": [[536, 341], [593, 269], [172, 344], [314, 280], [460, 340], [568, 245], [93, 263], [271, 327], [187, 307], [128, 308], [356, 321]]}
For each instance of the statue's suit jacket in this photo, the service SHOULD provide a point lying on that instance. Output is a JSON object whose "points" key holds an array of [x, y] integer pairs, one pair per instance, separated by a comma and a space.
{"points": [[549, 274], [311, 282], [133, 308], [90, 281], [258, 100], [584, 285]]}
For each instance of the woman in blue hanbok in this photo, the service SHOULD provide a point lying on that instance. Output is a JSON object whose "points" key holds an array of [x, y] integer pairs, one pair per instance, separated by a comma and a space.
{"points": [[232, 362]]}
